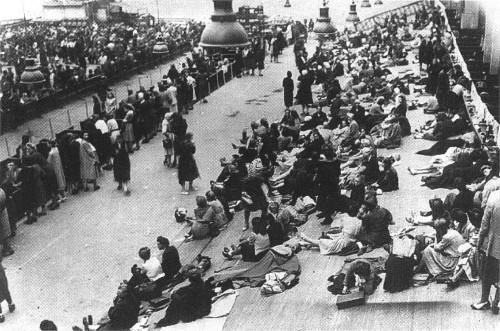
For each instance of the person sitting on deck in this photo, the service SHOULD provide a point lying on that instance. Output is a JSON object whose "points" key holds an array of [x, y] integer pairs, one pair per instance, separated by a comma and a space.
{"points": [[123, 314], [368, 279], [389, 177], [376, 221], [334, 243], [151, 266], [254, 247]]}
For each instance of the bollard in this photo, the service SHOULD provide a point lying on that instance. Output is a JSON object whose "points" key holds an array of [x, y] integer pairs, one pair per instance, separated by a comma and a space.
{"points": [[7, 146], [51, 129], [69, 118]]}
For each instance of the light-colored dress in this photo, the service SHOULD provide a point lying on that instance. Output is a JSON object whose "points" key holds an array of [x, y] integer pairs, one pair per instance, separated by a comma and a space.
{"points": [[439, 263], [88, 160], [351, 226], [4, 217], [54, 160]]}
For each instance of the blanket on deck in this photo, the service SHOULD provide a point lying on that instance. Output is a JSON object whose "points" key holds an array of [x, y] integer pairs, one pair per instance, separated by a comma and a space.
{"points": [[213, 321], [255, 274]]}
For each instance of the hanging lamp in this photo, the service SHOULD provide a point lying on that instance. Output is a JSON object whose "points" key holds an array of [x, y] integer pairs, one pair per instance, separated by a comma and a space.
{"points": [[366, 4], [323, 27], [224, 31]]}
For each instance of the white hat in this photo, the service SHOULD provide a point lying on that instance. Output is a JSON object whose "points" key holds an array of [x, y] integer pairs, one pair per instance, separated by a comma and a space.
{"points": [[304, 72]]}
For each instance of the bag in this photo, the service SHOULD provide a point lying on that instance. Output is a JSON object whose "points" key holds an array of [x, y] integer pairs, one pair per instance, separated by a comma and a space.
{"points": [[351, 300], [167, 141], [246, 198], [213, 230], [399, 273]]}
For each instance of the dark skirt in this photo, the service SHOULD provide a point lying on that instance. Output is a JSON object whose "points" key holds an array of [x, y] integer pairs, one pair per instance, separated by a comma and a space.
{"points": [[248, 253], [188, 170], [121, 167]]}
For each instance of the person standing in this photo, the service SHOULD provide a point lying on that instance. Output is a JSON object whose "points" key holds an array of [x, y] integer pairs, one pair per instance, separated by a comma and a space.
{"points": [[55, 162], [188, 170], [172, 95], [179, 128], [489, 244], [5, 293], [88, 163], [121, 167], [288, 90], [5, 228]]}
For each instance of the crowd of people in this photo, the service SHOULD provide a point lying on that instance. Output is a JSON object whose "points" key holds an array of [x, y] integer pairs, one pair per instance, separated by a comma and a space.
{"points": [[309, 162], [70, 57]]}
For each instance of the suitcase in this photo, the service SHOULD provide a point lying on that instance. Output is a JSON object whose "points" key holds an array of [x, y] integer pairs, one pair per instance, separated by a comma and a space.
{"points": [[350, 300]]}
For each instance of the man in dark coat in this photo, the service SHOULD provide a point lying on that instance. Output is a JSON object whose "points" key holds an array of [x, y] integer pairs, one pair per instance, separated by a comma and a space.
{"points": [[329, 192], [170, 262], [288, 90]]}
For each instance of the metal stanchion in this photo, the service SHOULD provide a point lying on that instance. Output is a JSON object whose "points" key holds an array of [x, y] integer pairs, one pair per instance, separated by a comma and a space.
{"points": [[69, 118], [7, 146], [51, 129], [87, 108], [217, 78]]}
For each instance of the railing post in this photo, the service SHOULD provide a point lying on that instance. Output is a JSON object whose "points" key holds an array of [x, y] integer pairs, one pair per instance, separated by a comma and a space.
{"points": [[217, 78], [87, 108], [7, 146], [69, 117], [51, 129]]}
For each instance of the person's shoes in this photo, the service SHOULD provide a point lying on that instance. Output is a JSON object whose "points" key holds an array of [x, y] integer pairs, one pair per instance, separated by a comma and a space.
{"points": [[425, 213], [96, 188], [369, 249], [326, 221], [494, 309], [362, 250], [7, 252], [119, 188], [2, 318], [31, 220], [127, 193], [244, 228], [12, 307], [451, 285], [184, 192], [320, 214], [481, 306], [411, 171], [234, 146], [227, 255]]}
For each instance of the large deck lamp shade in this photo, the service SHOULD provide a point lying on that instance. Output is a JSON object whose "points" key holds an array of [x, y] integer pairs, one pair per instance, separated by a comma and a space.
{"points": [[287, 4], [379, 2], [224, 31], [353, 14], [160, 47], [366, 4], [323, 27], [31, 74]]}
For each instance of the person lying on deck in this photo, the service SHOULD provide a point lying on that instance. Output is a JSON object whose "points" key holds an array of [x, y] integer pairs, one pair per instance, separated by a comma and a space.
{"points": [[190, 302]]}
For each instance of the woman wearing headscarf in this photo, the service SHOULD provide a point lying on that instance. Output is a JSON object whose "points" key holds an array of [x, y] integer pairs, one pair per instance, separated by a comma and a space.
{"points": [[188, 170]]}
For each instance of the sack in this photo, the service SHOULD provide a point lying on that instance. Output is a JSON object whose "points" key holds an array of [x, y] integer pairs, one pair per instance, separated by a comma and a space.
{"points": [[180, 214], [148, 291], [404, 246], [399, 273], [246, 198]]}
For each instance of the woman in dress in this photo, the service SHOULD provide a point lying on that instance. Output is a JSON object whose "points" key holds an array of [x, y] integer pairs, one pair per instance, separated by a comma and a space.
{"points": [[110, 104], [121, 167], [128, 131], [5, 228], [168, 139], [88, 163], [200, 227], [288, 90], [54, 159], [5, 293], [304, 93], [335, 243], [442, 256], [188, 170]]}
